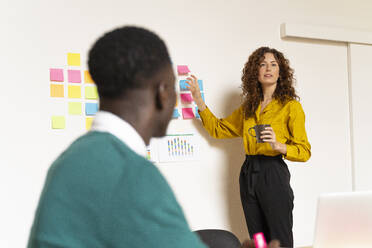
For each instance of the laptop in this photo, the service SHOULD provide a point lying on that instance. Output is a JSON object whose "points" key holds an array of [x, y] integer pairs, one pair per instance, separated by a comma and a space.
{"points": [[344, 220]]}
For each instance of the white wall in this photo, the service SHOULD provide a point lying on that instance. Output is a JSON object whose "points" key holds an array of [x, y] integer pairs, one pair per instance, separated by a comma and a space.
{"points": [[215, 39], [361, 88]]}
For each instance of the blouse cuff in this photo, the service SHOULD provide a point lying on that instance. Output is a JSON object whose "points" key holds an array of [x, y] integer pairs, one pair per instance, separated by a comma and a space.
{"points": [[292, 153], [205, 113]]}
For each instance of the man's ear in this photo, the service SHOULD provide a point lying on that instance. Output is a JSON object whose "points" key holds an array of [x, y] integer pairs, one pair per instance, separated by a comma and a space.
{"points": [[160, 96]]}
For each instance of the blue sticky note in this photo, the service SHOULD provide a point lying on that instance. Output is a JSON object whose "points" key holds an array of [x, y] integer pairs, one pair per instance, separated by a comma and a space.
{"points": [[202, 95], [91, 108], [183, 85], [200, 82], [176, 114], [197, 113]]}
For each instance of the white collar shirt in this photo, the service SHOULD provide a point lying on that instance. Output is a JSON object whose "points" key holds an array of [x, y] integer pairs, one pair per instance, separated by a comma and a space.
{"points": [[107, 122]]}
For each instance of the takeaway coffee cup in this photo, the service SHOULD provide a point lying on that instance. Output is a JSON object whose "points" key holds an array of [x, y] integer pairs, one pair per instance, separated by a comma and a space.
{"points": [[258, 129]]}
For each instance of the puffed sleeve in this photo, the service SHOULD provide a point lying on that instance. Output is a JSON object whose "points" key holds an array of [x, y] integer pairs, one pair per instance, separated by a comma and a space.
{"points": [[229, 127]]}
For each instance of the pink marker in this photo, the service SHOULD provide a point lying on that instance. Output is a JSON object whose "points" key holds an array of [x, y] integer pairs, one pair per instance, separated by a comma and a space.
{"points": [[259, 240]]}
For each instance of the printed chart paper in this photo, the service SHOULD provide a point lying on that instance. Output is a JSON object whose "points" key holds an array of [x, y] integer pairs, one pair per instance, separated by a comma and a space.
{"points": [[178, 148]]}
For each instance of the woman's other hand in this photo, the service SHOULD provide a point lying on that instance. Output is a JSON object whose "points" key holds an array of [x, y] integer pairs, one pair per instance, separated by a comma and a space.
{"points": [[268, 135]]}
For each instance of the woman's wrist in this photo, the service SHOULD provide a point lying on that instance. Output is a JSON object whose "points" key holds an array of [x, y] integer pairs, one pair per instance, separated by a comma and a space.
{"points": [[279, 147], [200, 103]]}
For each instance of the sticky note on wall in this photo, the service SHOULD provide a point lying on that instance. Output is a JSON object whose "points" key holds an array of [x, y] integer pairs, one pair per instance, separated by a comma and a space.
{"points": [[176, 114], [91, 108], [186, 97], [91, 92], [187, 113], [74, 91], [58, 122], [200, 82], [74, 76], [74, 108], [183, 85], [183, 69], [73, 59], [87, 78], [88, 122], [56, 75], [57, 90]]}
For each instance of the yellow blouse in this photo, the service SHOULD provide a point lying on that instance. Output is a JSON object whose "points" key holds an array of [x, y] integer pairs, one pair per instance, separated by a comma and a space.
{"points": [[287, 121]]}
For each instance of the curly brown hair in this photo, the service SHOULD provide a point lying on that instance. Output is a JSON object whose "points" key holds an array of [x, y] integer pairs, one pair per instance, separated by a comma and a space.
{"points": [[252, 90]]}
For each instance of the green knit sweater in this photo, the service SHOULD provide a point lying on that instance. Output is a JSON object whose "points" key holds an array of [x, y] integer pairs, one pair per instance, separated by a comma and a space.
{"points": [[100, 193]]}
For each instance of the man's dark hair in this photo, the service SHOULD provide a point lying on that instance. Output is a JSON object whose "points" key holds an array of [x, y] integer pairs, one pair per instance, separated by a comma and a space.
{"points": [[121, 59]]}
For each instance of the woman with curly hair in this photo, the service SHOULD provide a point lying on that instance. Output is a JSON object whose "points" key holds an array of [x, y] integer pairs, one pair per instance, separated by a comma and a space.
{"points": [[269, 99]]}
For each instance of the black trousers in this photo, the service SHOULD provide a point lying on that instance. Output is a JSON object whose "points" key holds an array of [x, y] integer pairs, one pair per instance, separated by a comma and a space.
{"points": [[267, 197]]}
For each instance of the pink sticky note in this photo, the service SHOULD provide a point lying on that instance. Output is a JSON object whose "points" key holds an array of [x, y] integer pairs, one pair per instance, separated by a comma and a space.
{"points": [[74, 76], [187, 113], [56, 75], [186, 97], [182, 69]]}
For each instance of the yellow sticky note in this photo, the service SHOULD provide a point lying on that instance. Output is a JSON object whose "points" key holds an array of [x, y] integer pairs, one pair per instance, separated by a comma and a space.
{"points": [[58, 122], [91, 92], [87, 78], [56, 90], [88, 122], [74, 91], [74, 108], [73, 59]]}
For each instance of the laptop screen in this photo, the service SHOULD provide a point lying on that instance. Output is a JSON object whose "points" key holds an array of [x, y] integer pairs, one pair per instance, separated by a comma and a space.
{"points": [[344, 220]]}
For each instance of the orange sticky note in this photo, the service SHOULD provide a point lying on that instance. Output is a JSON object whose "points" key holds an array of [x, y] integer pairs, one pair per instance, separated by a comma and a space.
{"points": [[87, 78], [73, 59], [56, 90], [88, 122], [74, 91]]}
